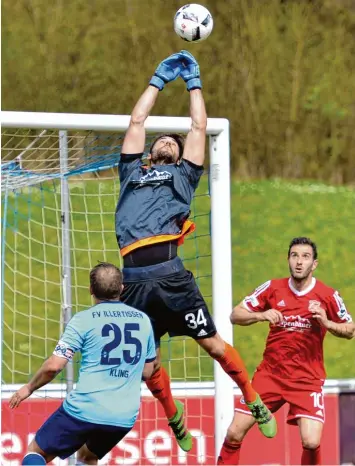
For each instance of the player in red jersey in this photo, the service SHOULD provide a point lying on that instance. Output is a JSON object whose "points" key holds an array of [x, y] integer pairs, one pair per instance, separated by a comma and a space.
{"points": [[300, 310]]}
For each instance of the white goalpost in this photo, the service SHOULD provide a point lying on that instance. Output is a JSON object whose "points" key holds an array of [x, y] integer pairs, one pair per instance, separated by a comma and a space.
{"points": [[59, 194]]}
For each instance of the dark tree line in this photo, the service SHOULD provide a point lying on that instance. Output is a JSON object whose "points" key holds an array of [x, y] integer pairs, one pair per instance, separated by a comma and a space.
{"points": [[282, 72]]}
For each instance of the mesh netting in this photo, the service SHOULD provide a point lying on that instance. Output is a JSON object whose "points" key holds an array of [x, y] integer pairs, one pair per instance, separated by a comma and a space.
{"points": [[32, 242]]}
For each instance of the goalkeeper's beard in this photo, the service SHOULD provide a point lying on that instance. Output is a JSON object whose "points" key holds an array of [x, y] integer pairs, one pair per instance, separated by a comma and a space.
{"points": [[162, 158]]}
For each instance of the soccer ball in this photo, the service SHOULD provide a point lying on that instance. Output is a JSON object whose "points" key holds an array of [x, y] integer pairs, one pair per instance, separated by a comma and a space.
{"points": [[193, 22]]}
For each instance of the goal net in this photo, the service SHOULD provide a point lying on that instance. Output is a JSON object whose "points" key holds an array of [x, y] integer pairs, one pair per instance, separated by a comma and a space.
{"points": [[59, 193]]}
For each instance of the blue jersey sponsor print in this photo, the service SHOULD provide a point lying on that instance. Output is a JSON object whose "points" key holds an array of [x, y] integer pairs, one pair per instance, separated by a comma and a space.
{"points": [[115, 342]]}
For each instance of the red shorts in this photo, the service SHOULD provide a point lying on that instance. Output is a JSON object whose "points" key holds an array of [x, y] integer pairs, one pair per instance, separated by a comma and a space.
{"points": [[305, 400]]}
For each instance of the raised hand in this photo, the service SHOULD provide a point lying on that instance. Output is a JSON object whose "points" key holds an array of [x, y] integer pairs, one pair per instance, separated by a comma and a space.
{"points": [[168, 70], [190, 72]]}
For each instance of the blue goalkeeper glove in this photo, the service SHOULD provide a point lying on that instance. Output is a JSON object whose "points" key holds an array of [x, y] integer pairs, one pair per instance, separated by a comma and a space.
{"points": [[167, 71], [190, 72]]}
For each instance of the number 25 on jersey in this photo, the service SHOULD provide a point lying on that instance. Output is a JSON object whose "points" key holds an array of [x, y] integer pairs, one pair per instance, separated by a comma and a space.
{"points": [[128, 339]]}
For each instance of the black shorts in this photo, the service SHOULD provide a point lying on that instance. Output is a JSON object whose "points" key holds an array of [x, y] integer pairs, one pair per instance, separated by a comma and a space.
{"points": [[62, 435], [168, 294]]}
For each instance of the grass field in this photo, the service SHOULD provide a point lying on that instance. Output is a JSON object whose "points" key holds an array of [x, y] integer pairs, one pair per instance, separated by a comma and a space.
{"points": [[266, 215]]}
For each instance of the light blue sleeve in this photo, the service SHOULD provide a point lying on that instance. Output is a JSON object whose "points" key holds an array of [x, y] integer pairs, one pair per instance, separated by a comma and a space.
{"points": [[151, 352], [71, 340]]}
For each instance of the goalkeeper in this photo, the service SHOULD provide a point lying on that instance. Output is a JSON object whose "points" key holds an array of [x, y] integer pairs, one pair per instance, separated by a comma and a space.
{"points": [[152, 220]]}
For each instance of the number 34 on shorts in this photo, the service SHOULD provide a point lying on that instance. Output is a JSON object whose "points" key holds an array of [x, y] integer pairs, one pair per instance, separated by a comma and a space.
{"points": [[199, 323], [196, 319]]}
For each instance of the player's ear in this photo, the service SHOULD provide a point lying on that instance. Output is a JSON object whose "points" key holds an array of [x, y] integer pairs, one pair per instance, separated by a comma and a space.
{"points": [[91, 292], [315, 265]]}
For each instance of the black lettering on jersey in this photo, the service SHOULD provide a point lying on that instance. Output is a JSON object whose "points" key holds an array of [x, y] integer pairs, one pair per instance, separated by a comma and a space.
{"points": [[132, 314], [114, 372], [112, 314]]}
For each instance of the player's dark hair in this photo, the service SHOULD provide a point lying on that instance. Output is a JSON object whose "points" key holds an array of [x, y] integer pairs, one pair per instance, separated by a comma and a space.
{"points": [[180, 141], [304, 240], [106, 281]]}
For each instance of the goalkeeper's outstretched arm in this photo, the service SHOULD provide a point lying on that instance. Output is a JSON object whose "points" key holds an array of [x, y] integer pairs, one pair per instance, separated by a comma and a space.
{"points": [[168, 70], [194, 150], [134, 140]]}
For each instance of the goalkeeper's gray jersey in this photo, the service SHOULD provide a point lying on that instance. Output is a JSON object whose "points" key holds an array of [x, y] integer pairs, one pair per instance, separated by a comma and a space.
{"points": [[154, 202]]}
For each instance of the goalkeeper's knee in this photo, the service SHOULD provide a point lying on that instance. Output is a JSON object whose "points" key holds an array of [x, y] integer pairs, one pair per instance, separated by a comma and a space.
{"points": [[34, 459]]}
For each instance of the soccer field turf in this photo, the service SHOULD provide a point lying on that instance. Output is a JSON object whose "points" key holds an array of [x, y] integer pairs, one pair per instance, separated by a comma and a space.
{"points": [[266, 215]]}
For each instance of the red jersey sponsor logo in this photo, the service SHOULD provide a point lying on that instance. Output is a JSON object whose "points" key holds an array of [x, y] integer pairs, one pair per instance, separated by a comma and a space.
{"points": [[294, 323]]}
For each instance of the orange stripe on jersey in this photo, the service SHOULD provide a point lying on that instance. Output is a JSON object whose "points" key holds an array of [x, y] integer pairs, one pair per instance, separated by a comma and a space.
{"points": [[187, 228]]}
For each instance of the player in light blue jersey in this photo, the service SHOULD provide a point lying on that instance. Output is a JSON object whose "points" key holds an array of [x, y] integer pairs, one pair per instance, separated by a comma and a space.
{"points": [[117, 351]]}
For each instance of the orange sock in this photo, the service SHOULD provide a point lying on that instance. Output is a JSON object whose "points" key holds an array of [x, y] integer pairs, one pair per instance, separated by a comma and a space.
{"points": [[311, 456], [159, 385], [233, 365]]}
